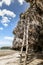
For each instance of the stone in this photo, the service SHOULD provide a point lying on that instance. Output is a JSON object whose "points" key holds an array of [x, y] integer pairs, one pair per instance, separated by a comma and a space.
{"points": [[34, 15]]}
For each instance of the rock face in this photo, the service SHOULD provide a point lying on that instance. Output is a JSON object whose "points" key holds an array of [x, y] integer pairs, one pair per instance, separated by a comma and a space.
{"points": [[34, 18], [17, 43]]}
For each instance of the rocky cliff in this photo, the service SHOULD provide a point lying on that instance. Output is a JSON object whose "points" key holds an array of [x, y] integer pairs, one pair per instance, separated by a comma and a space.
{"points": [[34, 17]]}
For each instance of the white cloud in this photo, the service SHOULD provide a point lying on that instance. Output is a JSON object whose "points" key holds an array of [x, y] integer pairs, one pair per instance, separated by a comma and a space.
{"points": [[8, 38], [7, 2], [1, 28], [5, 24], [7, 12], [5, 19], [21, 1]]}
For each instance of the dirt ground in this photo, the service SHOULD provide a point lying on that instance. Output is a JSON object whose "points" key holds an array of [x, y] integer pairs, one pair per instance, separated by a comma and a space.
{"points": [[9, 57], [12, 58]]}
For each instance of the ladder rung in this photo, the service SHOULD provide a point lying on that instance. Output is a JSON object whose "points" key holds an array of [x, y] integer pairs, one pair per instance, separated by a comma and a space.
{"points": [[25, 45]]}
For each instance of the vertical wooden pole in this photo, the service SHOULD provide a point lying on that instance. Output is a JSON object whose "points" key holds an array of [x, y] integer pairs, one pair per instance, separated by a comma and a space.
{"points": [[22, 45], [25, 63]]}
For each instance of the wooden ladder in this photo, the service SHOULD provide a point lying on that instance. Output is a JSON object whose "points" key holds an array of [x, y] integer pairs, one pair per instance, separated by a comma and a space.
{"points": [[26, 57], [22, 56]]}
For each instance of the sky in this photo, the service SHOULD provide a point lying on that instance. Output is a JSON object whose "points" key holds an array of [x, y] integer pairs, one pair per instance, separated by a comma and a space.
{"points": [[10, 11]]}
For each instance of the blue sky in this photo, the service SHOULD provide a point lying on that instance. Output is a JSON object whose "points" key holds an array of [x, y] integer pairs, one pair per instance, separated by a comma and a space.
{"points": [[9, 17]]}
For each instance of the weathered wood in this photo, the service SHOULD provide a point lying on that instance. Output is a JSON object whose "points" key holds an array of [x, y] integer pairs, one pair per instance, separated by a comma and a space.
{"points": [[22, 44], [26, 42]]}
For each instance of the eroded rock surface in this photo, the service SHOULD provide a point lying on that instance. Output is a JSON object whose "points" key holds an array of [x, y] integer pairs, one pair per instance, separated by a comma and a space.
{"points": [[34, 15]]}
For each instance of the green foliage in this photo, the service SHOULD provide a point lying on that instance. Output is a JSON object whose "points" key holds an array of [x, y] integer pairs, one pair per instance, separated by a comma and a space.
{"points": [[5, 47]]}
